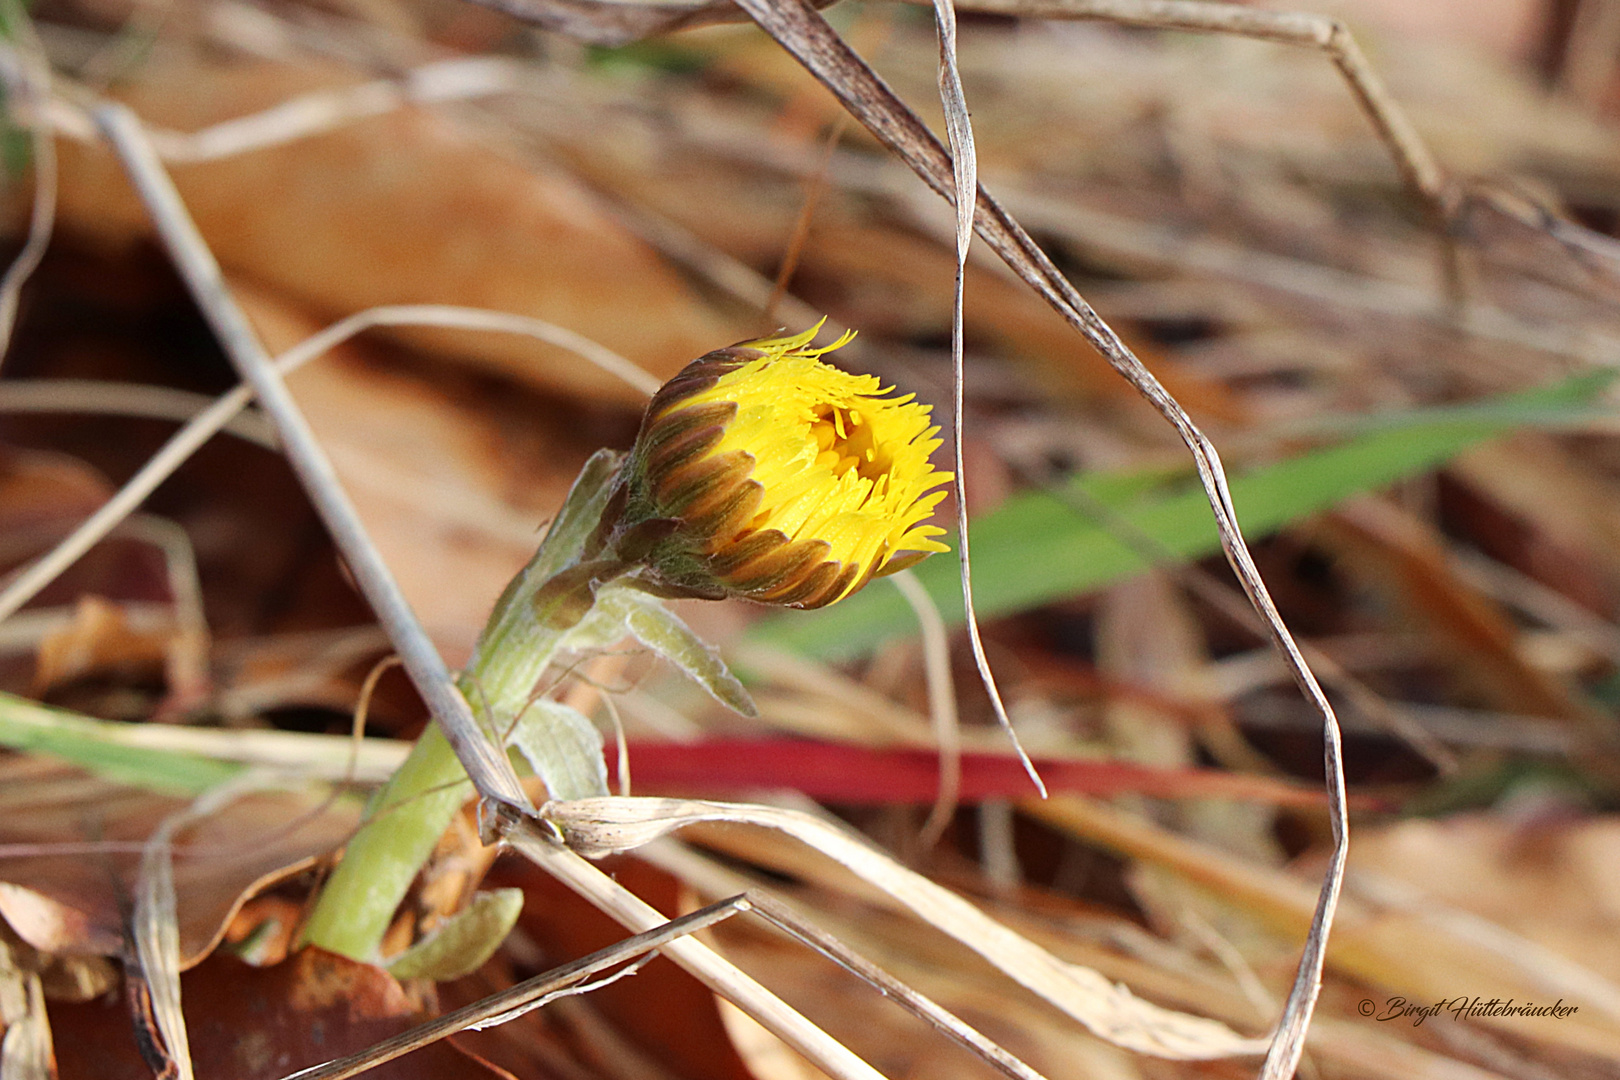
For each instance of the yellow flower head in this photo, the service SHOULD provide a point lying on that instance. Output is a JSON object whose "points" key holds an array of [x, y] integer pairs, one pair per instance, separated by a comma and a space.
{"points": [[781, 478]]}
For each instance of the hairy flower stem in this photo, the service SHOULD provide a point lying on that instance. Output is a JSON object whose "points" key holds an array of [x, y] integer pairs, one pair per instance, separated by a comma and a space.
{"points": [[413, 811]]}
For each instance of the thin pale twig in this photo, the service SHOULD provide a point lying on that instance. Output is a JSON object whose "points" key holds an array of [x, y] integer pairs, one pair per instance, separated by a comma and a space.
{"points": [[188, 654], [211, 420], [32, 85], [965, 187], [526, 995], [799, 29], [102, 398], [490, 769], [942, 711], [713, 970], [467, 318], [941, 1019], [311, 114]]}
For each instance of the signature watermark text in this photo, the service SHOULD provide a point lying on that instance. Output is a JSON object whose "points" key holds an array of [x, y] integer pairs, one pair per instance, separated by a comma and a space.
{"points": [[1461, 1008]]}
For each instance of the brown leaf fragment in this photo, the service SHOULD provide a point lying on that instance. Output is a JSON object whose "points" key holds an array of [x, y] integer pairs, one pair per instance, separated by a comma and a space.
{"points": [[42, 495], [406, 207], [437, 478], [99, 641], [1403, 555], [263, 1023], [25, 1034], [68, 889]]}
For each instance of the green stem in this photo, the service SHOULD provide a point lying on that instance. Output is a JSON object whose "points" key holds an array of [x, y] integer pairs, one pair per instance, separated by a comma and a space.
{"points": [[412, 812], [358, 901]]}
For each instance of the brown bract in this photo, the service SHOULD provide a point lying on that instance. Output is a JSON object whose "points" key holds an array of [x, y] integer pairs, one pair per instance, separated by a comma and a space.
{"points": [[702, 503]]}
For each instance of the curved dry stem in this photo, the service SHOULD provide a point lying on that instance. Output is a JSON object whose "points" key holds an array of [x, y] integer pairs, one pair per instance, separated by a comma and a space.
{"points": [[484, 762], [311, 114], [963, 194], [465, 318], [102, 398], [941, 704], [714, 971], [799, 29], [223, 412], [1416, 164], [30, 81]]}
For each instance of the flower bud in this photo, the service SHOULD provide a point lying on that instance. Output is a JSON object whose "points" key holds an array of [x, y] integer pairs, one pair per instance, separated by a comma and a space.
{"points": [[762, 472]]}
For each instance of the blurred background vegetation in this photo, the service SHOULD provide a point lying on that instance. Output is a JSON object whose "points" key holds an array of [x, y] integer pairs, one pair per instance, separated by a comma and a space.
{"points": [[1431, 483]]}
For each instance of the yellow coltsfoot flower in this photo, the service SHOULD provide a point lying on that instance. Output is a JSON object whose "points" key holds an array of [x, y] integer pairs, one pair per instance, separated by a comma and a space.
{"points": [[761, 471]]}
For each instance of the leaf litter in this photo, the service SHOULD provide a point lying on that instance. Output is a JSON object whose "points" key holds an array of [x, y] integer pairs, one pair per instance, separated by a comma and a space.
{"points": [[1176, 167]]}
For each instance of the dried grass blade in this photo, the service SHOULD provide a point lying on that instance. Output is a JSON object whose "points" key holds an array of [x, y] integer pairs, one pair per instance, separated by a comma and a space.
{"points": [[31, 86], [221, 412], [800, 30], [603, 826], [26, 1049], [156, 922], [711, 969], [526, 996], [942, 713], [964, 191]]}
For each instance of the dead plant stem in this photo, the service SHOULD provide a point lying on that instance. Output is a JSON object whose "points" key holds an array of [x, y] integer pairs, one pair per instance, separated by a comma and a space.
{"points": [[489, 768]]}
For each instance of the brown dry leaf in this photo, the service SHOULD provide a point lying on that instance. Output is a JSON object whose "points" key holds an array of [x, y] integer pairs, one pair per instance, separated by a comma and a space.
{"points": [[261, 1023], [403, 208], [73, 895], [1387, 942], [1404, 557], [99, 640], [1554, 882], [42, 496], [454, 513], [1572, 503], [1076, 932]]}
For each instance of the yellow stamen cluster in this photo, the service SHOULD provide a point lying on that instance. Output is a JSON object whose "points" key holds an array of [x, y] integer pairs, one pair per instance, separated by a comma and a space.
{"points": [[799, 473]]}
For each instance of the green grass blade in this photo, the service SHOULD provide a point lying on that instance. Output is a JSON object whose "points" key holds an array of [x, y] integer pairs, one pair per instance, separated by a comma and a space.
{"points": [[1035, 548], [102, 747]]}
